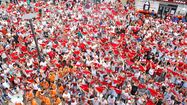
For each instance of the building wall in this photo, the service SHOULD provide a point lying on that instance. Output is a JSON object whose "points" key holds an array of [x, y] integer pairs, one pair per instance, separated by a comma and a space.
{"points": [[181, 10], [154, 5]]}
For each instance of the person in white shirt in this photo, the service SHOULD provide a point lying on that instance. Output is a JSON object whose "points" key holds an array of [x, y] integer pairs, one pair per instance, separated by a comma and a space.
{"points": [[104, 102], [66, 96], [111, 100], [96, 101], [74, 102], [5, 84]]}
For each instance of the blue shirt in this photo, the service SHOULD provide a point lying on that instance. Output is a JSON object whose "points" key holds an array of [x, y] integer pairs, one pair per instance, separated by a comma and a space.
{"points": [[183, 19], [185, 85]]}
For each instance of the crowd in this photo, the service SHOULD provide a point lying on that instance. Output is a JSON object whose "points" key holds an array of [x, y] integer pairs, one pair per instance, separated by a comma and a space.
{"points": [[91, 54]]}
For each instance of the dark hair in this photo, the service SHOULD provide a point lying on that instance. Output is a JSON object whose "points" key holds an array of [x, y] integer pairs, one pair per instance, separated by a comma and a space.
{"points": [[173, 97]]}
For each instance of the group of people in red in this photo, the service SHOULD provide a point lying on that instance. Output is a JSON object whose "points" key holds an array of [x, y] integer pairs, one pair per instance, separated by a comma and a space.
{"points": [[100, 53]]}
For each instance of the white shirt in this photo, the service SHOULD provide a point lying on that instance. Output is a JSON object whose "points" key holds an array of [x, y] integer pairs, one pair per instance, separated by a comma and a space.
{"points": [[6, 85], [151, 71], [35, 86], [104, 102], [74, 103], [43, 63], [137, 75], [66, 96], [111, 100], [3, 56]]}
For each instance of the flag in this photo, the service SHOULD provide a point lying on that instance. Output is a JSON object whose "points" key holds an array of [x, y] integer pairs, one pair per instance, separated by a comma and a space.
{"points": [[100, 89], [142, 86], [118, 91], [129, 62], [153, 92], [84, 87], [149, 102]]}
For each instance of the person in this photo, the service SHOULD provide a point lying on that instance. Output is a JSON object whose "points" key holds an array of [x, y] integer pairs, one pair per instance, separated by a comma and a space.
{"points": [[111, 100], [57, 101], [104, 102], [66, 96], [29, 96], [61, 89], [33, 102], [134, 90], [47, 101], [96, 101], [15, 1], [152, 13], [183, 19]]}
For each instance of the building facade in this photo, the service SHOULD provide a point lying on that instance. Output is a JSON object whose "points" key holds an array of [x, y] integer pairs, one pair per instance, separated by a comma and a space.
{"points": [[163, 7]]}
